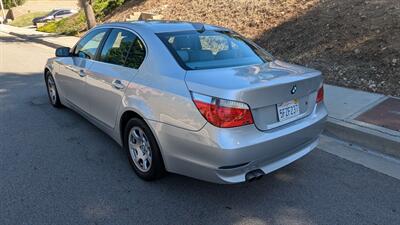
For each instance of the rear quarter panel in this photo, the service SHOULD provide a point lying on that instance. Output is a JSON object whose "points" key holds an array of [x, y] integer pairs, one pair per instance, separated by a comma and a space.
{"points": [[158, 92]]}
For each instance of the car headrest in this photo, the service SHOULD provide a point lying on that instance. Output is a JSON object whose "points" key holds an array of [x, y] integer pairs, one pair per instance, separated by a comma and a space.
{"points": [[184, 55], [183, 42]]}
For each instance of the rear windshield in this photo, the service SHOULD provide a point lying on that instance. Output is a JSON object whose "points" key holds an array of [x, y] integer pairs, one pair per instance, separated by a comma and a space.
{"points": [[212, 49]]}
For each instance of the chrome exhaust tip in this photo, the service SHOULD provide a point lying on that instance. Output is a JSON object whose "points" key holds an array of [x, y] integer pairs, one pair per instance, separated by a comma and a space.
{"points": [[254, 175]]}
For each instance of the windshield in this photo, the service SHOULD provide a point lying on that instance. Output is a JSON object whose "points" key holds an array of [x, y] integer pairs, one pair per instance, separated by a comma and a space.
{"points": [[52, 12], [212, 49]]}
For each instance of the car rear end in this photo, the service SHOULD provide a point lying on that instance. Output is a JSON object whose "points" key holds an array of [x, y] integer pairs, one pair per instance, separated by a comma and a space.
{"points": [[261, 114], [246, 152]]}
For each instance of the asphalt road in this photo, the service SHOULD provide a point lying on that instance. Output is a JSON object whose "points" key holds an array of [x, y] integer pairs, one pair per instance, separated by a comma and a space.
{"points": [[57, 168]]}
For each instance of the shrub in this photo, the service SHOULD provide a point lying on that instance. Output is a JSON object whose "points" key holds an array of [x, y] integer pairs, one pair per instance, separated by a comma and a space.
{"points": [[69, 26]]}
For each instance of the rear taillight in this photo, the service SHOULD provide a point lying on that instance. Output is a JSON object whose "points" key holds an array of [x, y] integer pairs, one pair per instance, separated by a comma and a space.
{"points": [[320, 94], [223, 113]]}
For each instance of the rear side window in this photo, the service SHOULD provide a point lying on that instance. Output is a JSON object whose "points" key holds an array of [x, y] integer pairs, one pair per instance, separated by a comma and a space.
{"points": [[117, 47], [87, 47], [212, 49], [123, 48], [136, 54]]}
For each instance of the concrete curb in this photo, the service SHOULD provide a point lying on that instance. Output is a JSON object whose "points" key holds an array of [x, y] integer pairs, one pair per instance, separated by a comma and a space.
{"points": [[376, 140]]}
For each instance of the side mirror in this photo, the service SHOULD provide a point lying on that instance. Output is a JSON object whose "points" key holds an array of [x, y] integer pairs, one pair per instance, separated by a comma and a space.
{"points": [[63, 52]]}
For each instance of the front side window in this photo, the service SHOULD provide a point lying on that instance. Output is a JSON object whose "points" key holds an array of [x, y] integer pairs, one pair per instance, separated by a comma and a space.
{"points": [[59, 13], [87, 47], [212, 49], [52, 13]]}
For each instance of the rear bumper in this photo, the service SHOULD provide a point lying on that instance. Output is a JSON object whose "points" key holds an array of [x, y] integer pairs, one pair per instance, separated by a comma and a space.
{"points": [[227, 155]]}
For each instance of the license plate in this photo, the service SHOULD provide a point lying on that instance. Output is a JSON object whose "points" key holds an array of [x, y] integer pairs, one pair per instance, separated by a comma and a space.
{"points": [[287, 110]]}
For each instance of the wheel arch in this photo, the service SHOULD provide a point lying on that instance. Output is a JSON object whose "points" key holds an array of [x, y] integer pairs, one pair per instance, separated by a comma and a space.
{"points": [[125, 117], [46, 69]]}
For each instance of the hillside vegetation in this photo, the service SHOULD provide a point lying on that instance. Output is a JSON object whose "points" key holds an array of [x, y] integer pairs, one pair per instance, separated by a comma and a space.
{"points": [[76, 24], [355, 43]]}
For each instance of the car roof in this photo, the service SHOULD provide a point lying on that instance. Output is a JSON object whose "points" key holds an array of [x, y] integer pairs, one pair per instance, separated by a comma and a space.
{"points": [[62, 9], [162, 26], [58, 10]]}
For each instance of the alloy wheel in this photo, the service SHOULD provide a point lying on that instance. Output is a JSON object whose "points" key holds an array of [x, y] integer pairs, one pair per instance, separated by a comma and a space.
{"points": [[51, 85], [140, 149]]}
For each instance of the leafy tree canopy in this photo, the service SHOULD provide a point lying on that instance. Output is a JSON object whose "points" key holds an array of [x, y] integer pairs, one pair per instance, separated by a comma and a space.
{"points": [[12, 3]]}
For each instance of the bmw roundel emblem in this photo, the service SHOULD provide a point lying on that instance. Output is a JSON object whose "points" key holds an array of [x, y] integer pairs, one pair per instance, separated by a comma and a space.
{"points": [[294, 89]]}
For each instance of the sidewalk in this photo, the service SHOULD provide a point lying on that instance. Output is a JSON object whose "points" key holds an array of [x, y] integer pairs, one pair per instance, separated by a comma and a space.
{"points": [[366, 119], [30, 34]]}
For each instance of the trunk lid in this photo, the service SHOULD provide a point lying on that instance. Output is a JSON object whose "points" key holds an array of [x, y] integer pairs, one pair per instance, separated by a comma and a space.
{"points": [[262, 87]]}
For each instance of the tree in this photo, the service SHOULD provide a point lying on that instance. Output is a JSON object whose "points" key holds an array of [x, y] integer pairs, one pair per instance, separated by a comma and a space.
{"points": [[89, 13], [12, 3]]}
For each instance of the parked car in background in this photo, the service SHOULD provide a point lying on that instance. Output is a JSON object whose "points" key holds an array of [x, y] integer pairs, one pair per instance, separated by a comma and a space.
{"points": [[189, 98], [53, 15]]}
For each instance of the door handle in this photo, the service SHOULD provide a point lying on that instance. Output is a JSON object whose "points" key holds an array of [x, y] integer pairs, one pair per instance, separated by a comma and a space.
{"points": [[118, 84], [82, 73]]}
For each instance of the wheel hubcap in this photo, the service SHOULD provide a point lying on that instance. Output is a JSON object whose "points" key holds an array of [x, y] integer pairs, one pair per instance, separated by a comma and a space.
{"points": [[139, 149], [52, 90]]}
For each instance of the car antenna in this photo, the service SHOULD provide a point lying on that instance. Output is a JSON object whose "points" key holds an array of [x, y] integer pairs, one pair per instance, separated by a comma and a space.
{"points": [[199, 27]]}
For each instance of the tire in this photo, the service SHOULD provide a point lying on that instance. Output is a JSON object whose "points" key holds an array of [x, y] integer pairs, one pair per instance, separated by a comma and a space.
{"points": [[52, 92], [137, 136]]}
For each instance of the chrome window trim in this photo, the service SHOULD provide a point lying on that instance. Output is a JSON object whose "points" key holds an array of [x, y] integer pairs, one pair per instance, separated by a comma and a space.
{"points": [[116, 27], [87, 33], [134, 33]]}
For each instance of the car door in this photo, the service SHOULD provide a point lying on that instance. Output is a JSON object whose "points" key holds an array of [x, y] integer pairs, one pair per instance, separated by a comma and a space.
{"points": [[58, 15], [116, 65], [72, 71]]}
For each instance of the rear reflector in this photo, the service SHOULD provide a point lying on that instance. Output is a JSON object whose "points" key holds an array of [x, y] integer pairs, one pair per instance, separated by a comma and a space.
{"points": [[223, 113], [320, 94]]}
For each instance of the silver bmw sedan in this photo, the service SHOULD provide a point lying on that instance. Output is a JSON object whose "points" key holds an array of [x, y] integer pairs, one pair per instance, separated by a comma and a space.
{"points": [[190, 98]]}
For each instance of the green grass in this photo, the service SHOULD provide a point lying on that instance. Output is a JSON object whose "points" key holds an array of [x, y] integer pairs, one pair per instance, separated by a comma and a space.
{"points": [[77, 23], [26, 19]]}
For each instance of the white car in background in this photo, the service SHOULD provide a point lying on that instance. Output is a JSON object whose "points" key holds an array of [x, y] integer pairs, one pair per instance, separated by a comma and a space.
{"points": [[53, 15]]}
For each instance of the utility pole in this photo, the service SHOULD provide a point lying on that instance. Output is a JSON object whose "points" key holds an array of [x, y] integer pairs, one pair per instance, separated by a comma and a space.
{"points": [[2, 10], [88, 9]]}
